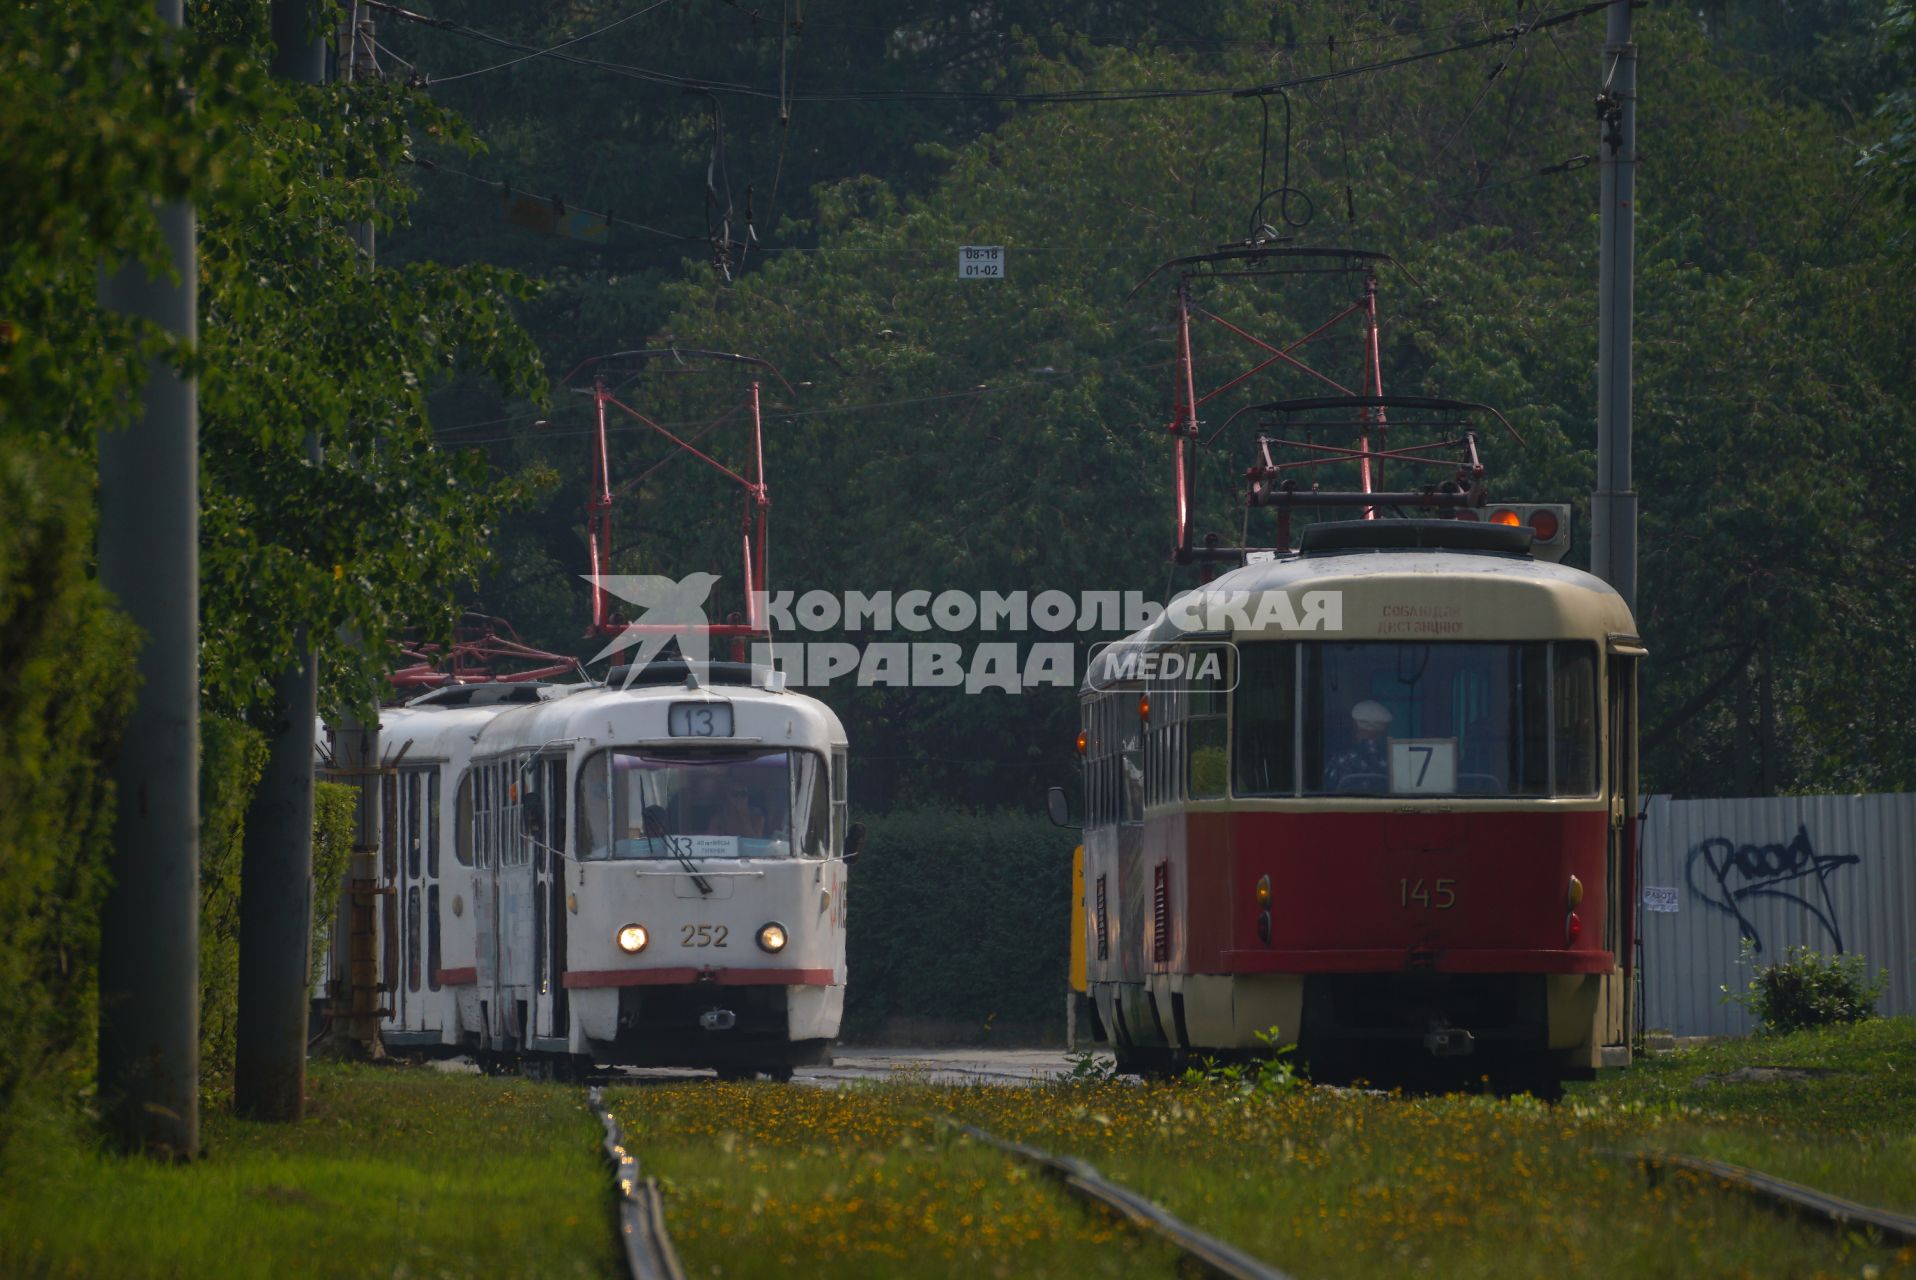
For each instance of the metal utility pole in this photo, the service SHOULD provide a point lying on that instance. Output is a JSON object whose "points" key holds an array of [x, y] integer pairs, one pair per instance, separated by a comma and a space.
{"points": [[1613, 508], [149, 1055], [276, 869]]}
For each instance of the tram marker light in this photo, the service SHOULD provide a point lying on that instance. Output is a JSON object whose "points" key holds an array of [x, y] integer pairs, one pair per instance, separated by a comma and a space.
{"points": [[632, 939], [771, 937], [1144, 706], [1504, 515], [1545, 522], [1082, 741], [1264, 927], [1576, 893], [1573, 927], [1263, 891]]}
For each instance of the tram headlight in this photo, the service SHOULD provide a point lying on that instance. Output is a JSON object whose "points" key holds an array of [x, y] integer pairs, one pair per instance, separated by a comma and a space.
{"points": [[632, 939], [771, 937]]}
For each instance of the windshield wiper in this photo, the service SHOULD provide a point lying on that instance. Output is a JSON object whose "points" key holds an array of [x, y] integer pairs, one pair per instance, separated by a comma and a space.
{"points": [[653, 818]]}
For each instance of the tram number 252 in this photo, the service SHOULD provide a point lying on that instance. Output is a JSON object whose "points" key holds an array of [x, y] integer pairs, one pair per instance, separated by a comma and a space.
{"points": [[1440, 895], [702, 935]]}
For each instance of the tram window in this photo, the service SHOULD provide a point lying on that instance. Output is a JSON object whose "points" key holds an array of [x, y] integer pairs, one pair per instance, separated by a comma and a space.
{"points": [[412, 938], [840, 787], [392, 792], [1448, 718], [1266, 724], [728, 803], [555, 806], [1574, 705], [432, 824], [409, 824], [462, 820], [1206, 767], [432, 937], [1131, 772], [811, 802]]}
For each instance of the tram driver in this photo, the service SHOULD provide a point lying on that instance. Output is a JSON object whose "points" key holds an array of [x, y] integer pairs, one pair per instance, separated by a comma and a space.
{"points": [[739, 812], [1365, 764]]}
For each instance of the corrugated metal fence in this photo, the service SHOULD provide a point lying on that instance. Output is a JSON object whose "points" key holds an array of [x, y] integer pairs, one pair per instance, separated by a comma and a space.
{"points": [[1835, 872]]}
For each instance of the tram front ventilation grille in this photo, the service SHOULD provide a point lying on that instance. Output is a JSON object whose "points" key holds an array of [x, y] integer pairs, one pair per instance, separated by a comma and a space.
{"points": [[1161, 913]]}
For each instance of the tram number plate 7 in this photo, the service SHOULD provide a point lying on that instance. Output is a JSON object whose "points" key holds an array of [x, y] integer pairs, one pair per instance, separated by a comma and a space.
{"points": [[703, 935], [1439, 895]]}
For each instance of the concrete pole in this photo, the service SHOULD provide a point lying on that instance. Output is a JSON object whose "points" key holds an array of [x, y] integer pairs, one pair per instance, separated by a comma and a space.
{"points": [[1613, 508], [276, 871], [276, 908], [149, 1057], [356, 943]]}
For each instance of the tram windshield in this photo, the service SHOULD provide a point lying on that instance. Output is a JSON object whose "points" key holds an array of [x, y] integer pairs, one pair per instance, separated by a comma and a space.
{"points": [[743, 803], [1514, 719]]}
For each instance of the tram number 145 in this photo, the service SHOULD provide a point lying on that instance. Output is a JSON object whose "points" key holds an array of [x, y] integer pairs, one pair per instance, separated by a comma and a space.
{"points": [[1439, 896]]}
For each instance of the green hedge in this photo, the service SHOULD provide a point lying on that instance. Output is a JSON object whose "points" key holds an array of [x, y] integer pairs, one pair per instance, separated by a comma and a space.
{"points": [[333, 827], [65, 689], [958, 916], [232, 755]]}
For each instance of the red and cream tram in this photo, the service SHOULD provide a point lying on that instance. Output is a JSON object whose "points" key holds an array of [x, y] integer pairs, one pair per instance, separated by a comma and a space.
{"points": [[1391, 817]]}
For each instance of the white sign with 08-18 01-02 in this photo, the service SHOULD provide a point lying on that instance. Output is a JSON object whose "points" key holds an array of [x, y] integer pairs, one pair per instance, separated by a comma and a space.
{"points": [[981, 262]]}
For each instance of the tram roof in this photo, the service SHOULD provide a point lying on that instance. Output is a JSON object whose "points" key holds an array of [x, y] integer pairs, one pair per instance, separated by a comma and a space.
{"points": [[1397, 594], [586, 713]]}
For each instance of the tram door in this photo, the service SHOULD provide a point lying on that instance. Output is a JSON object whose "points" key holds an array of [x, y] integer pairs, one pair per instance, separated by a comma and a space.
{"points": [[1620, 875], [411, 863], [546, 824], [523, 802], [488, 819]]}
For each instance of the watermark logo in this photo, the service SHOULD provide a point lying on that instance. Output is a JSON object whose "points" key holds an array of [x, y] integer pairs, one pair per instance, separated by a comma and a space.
{"points": [[1187, 650], [668, 609], [1185, 666]]}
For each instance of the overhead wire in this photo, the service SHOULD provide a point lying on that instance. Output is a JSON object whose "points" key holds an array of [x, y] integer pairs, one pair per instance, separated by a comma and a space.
{"points": [[1031, 98], [541, 53]]}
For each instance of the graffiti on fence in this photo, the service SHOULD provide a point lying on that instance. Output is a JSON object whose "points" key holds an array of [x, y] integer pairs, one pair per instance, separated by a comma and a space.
{"points": [[1726, 875]]}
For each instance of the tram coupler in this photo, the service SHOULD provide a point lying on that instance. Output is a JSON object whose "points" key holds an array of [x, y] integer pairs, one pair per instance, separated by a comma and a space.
{"points": [[1449, 1042], [718, 1019]]}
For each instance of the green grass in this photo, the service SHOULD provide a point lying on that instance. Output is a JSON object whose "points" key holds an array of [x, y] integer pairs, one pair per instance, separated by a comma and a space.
{"points": [[396, 1172], [1335, 1184], [1849, 1130], [777, 1181]]}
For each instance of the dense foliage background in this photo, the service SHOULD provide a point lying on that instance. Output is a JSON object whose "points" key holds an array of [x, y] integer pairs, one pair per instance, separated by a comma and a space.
{"points": [[1003, 436]]}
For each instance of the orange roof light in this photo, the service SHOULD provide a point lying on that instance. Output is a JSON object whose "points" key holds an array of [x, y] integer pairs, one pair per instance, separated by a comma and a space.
{"points": [[1545, 522], [1504, 515]]}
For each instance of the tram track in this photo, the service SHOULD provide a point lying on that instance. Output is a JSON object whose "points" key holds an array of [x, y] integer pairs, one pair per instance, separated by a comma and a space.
{"points": [[1210, 1255], [1806, 1202], [649, 1253], [644, 1242]]}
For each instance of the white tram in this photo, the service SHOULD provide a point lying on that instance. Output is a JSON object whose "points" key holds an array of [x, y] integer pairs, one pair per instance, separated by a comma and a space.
{"points": [[642, 875]]}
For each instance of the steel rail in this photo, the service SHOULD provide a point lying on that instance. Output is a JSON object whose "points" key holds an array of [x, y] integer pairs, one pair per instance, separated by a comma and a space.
{"points": [[1805, 1201], [648, 1250], [1212, 1255]]}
